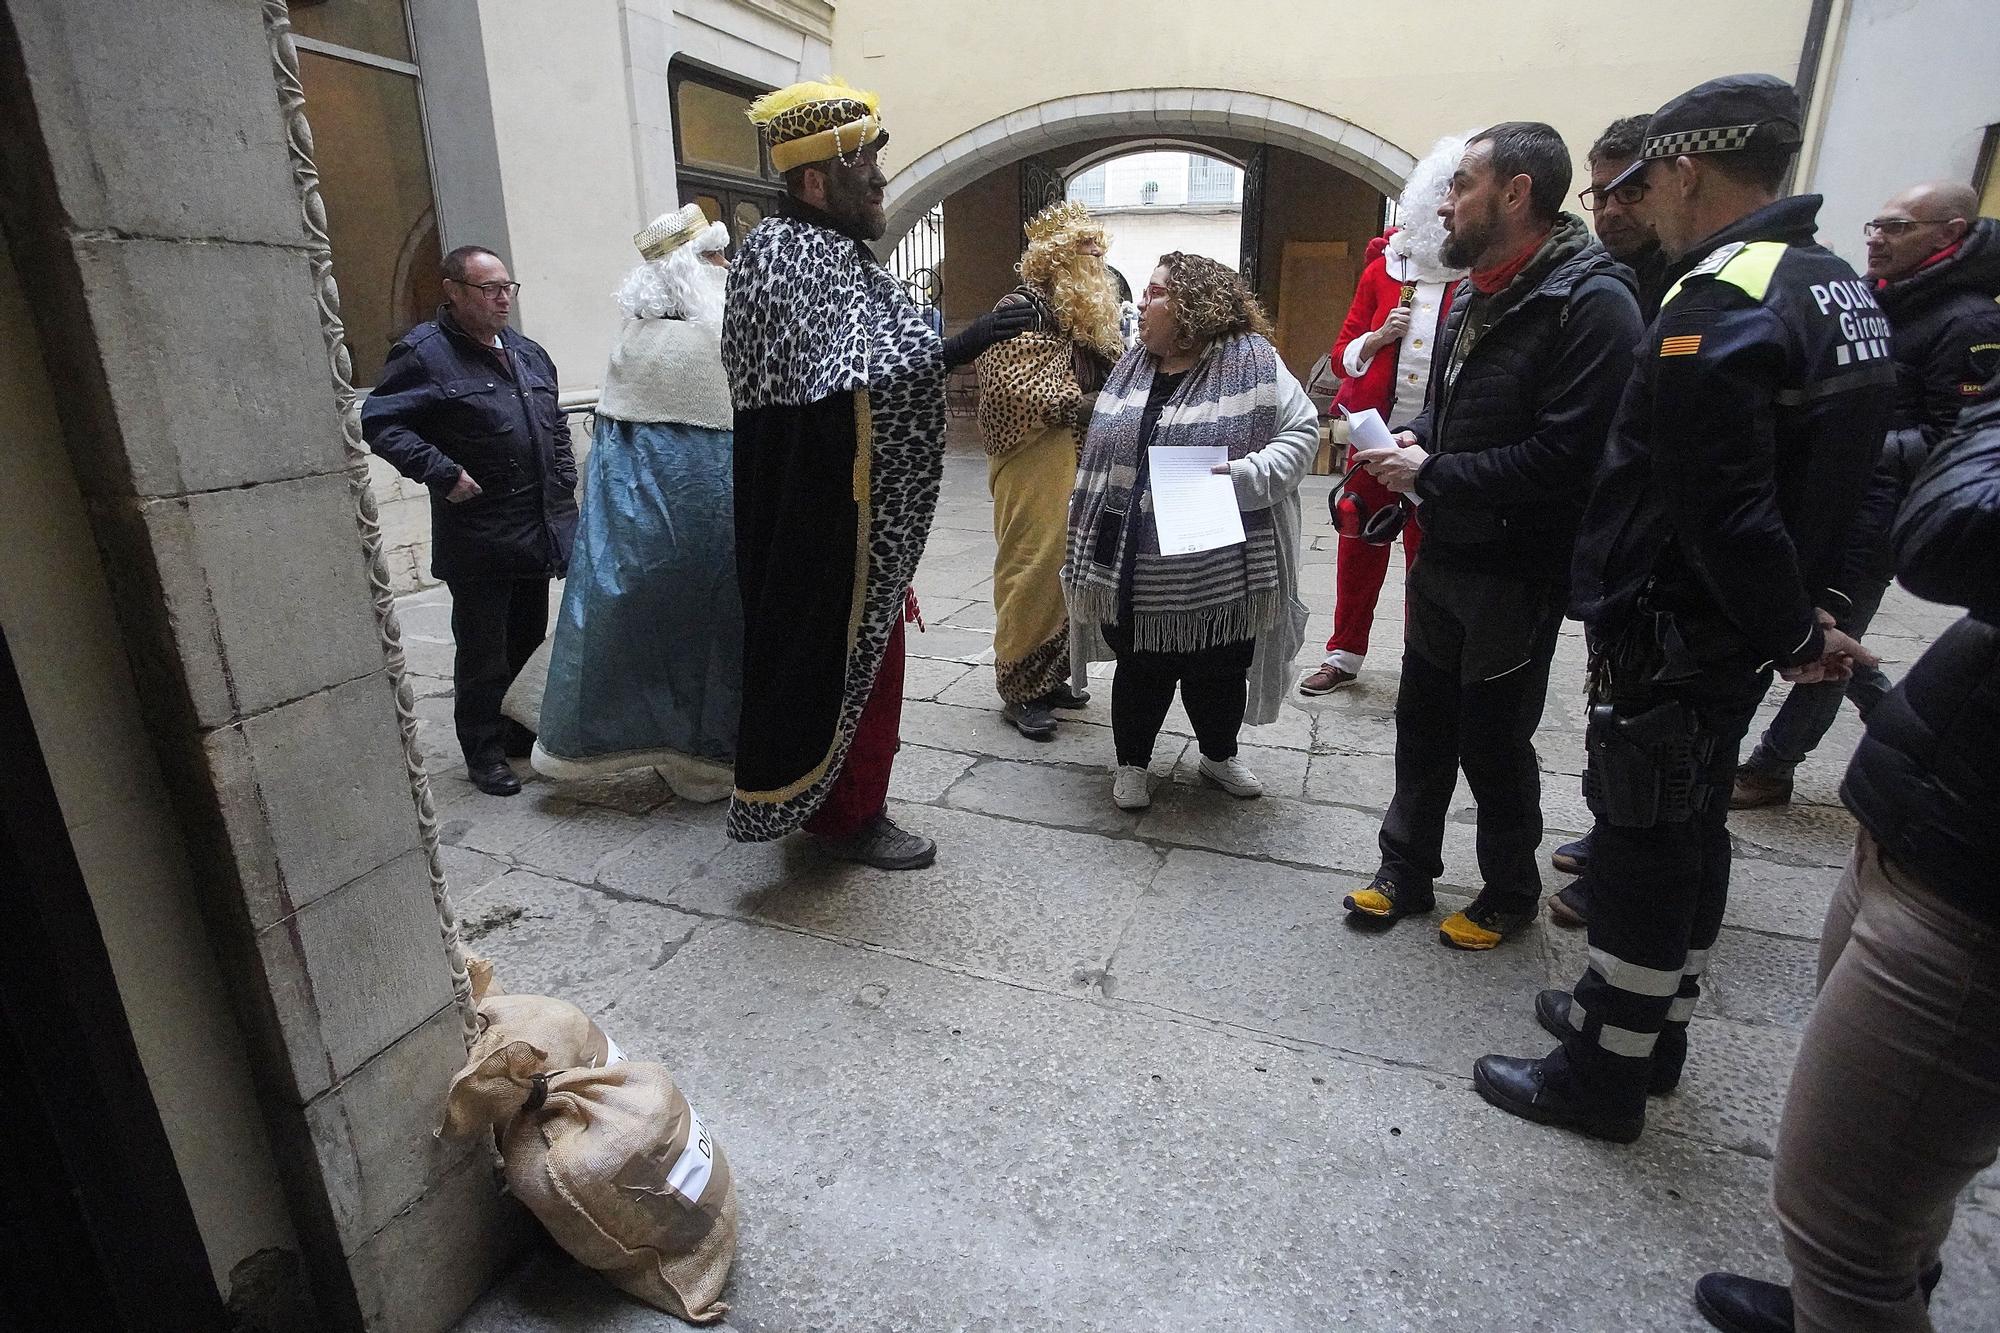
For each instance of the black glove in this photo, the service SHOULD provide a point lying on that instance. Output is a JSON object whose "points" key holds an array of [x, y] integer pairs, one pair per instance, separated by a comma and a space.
{"points": [[995, 326]]}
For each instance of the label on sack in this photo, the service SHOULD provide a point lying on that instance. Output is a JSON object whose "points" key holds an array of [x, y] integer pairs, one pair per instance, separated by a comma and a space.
{"points": [[689, 1176], [612, 1055]]}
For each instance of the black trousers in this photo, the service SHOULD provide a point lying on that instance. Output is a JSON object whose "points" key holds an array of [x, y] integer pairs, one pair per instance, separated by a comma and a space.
{"points": [[1214, 684], [1657, 896], [497, 624], [1476, 661]]}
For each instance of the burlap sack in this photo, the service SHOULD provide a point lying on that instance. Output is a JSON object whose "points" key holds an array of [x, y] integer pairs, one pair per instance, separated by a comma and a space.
{"points": [[617, 1166]]}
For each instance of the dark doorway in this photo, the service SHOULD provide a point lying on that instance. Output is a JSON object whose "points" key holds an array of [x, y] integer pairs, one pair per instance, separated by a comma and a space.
{"points": [[95, 1227]]}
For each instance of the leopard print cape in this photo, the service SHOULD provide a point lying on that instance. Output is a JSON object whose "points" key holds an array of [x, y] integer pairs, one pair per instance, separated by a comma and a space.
{"points": [[811, 314]]}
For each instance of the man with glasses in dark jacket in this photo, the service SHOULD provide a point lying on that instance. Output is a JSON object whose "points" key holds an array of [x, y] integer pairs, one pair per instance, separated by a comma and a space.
{"points": [[1624, 232], [1525, 382], [1935, 264], [468, 406], [1743, 447]]}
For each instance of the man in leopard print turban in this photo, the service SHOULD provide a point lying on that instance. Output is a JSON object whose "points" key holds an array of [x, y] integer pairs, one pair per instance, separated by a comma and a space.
{"points": [[1035, 396], [838, 386]]}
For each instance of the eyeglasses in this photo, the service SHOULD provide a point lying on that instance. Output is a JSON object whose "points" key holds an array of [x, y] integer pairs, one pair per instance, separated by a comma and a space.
{"points": [[491, 289], [1893, 227], [1628, 194]]}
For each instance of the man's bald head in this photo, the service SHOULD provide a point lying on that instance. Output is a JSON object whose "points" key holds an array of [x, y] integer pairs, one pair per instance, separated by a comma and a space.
{"points": [[1917, 224]]}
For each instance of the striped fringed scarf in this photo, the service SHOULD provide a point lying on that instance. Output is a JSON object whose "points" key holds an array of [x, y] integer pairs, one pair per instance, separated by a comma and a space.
{"points": [[1180, 603]]}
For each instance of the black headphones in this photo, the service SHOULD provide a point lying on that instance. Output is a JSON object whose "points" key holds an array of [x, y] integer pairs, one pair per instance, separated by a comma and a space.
{"points": [[1352, 516]]}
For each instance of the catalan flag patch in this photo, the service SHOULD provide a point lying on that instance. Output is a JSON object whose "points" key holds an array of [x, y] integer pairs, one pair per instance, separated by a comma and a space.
{"points": [[1684, 344]]}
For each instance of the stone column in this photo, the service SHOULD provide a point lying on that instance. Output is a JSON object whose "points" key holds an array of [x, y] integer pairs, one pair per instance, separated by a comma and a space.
{"points": [[152, 208]]}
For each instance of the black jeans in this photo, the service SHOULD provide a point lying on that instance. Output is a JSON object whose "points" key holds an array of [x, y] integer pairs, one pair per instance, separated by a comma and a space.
{"points": [[1475, 676], [1214, 684], [1657, 896], [497, 624]]}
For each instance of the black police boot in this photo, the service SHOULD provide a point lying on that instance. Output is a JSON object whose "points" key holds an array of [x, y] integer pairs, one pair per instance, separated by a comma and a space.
{"points": [[1548, 1092], [1669, 1054]]}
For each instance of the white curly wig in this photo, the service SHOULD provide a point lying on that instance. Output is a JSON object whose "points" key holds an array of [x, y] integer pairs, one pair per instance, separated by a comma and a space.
{"points": [[1421, 232], [684, 285]]}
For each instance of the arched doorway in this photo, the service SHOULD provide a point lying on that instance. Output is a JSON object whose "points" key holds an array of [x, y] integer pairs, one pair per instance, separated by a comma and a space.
{"points": [[1194, 115], [1314, 189]]}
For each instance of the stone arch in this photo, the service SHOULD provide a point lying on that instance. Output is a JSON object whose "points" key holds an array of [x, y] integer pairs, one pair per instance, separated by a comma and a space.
{"points": [[1149, 143], [1143, 113]]}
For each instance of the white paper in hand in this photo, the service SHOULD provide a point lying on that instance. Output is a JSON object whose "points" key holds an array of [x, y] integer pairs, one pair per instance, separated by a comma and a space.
{"points": [[1367, 430], [1194, 507]]}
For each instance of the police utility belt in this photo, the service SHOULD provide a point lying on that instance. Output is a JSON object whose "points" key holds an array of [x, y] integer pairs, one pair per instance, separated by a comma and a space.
{"points": [[1645, 760]]}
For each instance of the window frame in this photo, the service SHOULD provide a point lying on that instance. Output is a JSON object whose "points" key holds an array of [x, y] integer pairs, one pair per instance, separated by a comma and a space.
{"points": [[728, 187], [413, 70]]}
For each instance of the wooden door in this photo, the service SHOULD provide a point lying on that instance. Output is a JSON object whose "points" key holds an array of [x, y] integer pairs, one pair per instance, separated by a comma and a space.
{"points": [[1315, 287]]}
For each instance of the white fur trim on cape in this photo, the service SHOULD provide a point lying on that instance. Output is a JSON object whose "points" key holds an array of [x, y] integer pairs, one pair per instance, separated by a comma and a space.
{"points": [[667, 370]]}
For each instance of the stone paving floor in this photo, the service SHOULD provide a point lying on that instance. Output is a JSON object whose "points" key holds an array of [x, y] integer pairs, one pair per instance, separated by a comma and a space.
{"points": [[1098, 1070]]}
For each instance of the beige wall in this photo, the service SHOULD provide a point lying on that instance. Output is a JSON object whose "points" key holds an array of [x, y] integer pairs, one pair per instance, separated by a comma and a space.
{"points": [[56, 612], [1439, 66], [563, 123], [1941, 96]]}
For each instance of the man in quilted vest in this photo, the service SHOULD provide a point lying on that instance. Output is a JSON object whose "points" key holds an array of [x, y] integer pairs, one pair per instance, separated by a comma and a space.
{"points": [[1523, 388]]}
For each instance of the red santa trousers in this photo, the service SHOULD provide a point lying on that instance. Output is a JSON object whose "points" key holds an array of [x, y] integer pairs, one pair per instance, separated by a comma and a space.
{"points": [[1359, 569], [861, 792]]}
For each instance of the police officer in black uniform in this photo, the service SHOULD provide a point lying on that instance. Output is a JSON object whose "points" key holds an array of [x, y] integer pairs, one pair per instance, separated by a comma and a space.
{"points": [[1706, 558]]}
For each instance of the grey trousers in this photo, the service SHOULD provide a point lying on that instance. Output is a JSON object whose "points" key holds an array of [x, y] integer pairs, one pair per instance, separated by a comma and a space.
{"points": [[1895, 1103]]}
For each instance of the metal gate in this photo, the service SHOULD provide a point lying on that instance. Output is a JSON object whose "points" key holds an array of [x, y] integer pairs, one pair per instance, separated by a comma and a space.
{"points": [[918, 263]]}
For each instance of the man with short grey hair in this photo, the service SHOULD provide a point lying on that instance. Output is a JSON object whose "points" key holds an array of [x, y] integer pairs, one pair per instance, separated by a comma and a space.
{"points": [[467, 406]]}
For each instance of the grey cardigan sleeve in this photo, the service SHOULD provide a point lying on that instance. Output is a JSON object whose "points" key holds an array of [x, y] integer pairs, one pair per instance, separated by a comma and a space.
{"points": [[1275, 471]]}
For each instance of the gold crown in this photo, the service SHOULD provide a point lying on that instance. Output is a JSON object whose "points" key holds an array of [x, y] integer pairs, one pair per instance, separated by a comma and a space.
{"points": [[1058, 218], [669, 231]]}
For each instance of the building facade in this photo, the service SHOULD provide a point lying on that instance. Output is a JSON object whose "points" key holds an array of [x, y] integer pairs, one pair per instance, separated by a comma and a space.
{"points": [[555, 132], [232, 936]]}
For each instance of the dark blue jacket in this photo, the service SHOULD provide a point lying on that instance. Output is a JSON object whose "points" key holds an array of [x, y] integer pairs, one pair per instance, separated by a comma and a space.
{"points": [[445, 403], [1924, 780]]}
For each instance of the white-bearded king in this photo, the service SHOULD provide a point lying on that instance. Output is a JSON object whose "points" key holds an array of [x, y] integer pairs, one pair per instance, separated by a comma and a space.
{"points": [[642, 670], [1035, 395]]}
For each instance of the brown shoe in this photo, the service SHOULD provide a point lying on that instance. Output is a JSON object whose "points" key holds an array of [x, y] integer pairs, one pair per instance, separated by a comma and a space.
{"points": [[1754, 790], [1326, 680]]}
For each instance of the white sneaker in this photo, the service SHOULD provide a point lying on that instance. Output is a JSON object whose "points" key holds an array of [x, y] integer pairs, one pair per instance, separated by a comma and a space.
{"points": [[1233, 776], [1131, 788]]}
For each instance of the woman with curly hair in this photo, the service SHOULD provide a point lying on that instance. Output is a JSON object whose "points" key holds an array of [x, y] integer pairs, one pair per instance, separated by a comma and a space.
{"points": [[1222, 625], [1035, 395]]}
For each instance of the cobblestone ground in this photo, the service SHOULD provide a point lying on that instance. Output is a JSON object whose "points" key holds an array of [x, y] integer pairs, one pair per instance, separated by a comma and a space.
{"points": [[1098, 1070]]}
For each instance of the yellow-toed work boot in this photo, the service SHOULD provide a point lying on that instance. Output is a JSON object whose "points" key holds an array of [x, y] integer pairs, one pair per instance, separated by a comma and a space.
{"points": [[1383, 903], [1487, 920]]}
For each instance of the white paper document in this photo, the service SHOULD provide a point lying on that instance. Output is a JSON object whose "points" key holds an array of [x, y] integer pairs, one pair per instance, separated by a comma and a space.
{"points": [[1194, 507]]}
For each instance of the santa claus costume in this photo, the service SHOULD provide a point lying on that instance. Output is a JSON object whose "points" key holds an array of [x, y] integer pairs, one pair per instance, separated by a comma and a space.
{"points": [[1403, 272]]}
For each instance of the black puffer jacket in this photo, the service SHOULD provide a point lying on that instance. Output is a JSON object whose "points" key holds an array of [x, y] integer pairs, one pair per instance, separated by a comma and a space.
{"points": [[1516, 430], [445, 403], [1924, 781]]}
